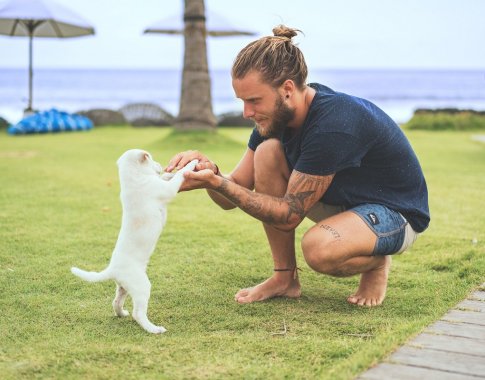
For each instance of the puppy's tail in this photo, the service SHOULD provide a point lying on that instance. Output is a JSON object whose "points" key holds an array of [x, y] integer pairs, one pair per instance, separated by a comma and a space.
{"points": [[92, 276]]}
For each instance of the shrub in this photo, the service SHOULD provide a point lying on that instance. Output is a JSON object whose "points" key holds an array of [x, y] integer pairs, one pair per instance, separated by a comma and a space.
{"points": [[447, 119], [3, 123]]}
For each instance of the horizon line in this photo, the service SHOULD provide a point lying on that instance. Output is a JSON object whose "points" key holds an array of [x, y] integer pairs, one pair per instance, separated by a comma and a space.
{"points": [[362, 68]]}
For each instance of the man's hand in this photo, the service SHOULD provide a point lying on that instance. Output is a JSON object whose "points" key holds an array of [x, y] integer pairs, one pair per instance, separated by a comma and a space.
{"points": [[202, 179], [183, 158]]}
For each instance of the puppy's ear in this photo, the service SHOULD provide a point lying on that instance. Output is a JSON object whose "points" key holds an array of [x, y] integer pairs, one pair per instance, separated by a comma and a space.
{"points": [[143, 157]]}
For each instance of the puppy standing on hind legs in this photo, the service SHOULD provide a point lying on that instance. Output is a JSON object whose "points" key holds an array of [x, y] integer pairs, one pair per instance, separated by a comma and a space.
{"points": [[144, 197]]}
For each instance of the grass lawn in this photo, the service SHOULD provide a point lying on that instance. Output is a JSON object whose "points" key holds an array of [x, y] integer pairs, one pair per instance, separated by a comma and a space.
{"points": [[59, 206]]}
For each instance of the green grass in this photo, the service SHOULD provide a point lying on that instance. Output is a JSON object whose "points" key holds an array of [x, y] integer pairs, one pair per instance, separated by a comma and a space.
{"points": [[59, 207]]}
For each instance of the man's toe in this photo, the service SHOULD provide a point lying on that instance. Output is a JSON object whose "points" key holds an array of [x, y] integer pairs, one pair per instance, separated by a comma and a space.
{"points": [[242, 293]]}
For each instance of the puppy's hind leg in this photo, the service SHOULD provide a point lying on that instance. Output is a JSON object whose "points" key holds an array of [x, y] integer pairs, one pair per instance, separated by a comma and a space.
{"points": [[119, 301], [140, 295]]}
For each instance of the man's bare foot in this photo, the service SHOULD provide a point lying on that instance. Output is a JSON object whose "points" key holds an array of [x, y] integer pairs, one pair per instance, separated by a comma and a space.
{"points": [[373, 286], [279, 285]]}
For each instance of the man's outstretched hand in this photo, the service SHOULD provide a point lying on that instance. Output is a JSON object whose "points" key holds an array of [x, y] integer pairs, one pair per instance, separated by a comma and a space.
{"points": [[204, 176], [202, 179]]}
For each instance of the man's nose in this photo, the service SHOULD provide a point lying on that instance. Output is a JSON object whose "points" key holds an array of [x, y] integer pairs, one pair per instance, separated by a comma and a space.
{"points": [[248, 111]]}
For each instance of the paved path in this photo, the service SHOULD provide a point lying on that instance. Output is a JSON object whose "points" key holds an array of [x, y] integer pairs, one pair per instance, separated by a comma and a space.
{"points": [[451, 349]]}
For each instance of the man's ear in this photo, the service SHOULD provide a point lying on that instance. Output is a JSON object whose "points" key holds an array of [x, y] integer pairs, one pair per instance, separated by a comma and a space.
{"points": [[288, 87]]}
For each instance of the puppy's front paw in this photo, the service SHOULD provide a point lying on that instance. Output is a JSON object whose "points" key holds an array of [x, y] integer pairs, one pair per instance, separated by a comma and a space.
{"points": [[191, 166], [167, 176]]}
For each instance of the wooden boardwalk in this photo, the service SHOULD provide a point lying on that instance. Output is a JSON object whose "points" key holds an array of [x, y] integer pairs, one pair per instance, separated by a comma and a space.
{"points": [[451, 349]]}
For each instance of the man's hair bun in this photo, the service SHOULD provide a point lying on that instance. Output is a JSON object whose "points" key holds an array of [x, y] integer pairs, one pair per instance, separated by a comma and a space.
{"points": [[284, 31]]}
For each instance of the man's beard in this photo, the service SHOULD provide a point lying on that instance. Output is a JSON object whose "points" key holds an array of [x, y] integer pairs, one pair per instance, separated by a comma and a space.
{"points": [[282, 115]]}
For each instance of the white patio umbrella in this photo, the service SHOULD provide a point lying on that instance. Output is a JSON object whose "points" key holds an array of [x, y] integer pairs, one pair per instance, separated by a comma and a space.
{"points": [[216, 25], [40, 18]]}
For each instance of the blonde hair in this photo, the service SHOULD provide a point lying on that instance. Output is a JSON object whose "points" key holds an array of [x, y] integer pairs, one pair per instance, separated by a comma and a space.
{"points": [[275, 57]]}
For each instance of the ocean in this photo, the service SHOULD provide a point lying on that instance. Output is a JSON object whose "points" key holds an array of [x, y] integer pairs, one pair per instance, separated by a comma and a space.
{"points": [[397, 92]]}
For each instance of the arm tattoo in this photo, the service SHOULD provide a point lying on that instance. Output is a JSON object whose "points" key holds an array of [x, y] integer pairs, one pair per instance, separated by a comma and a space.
{"points": [[297, 203], [296, 195], [303, 191], [252, 203]]}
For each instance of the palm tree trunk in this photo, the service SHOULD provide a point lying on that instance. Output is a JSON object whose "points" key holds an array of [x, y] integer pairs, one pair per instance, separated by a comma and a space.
{"points": [[195, 102]]}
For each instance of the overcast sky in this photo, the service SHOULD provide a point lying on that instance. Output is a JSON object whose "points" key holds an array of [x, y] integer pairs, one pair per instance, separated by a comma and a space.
{"points": [[443, 34]]}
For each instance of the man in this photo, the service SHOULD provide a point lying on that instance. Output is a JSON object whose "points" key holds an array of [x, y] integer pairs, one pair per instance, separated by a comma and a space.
{"points": [[317, 153]]}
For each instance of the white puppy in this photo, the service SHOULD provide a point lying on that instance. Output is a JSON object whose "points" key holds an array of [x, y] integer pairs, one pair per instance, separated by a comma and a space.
{"points": [[144, 197]]}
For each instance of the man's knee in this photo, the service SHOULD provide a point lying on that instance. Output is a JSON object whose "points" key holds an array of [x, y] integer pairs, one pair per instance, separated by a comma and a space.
{"points": [[268, 153], [319, 252], [271, 172]]}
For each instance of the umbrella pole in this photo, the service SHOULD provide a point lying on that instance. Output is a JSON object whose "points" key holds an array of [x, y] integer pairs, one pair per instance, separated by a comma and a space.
{"points": [[31, 74]]}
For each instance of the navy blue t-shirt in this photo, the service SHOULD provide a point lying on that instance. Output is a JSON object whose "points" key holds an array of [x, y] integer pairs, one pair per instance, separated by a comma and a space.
{"points": [[369, 154]]}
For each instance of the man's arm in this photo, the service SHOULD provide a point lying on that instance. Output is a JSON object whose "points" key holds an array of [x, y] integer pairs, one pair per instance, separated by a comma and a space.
{"points": [[243, 175], [285, 213]]}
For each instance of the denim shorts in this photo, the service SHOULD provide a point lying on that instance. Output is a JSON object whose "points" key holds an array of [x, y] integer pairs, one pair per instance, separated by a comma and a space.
{"points": [[394, 234]]}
